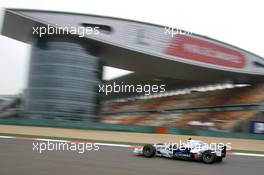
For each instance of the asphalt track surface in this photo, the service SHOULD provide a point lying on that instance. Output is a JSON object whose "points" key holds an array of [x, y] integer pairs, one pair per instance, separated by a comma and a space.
{"points": [[18, 158]]}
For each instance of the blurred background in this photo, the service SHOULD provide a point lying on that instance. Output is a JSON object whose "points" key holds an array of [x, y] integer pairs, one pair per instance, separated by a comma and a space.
{"points": [[56, 78]]}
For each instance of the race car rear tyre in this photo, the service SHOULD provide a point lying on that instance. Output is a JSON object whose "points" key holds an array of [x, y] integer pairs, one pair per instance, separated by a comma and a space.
{"points": [[149, 151], [208, 157], [219, 159]]}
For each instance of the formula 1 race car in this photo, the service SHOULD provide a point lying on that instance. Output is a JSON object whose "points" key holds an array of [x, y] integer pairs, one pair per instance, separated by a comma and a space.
{"points": [[191, 150]]}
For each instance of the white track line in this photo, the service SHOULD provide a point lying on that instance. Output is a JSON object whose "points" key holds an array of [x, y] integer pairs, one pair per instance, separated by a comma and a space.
{"points": [[51, 140], [114, 145], [7, 137], [246, 154], [110, 144]]}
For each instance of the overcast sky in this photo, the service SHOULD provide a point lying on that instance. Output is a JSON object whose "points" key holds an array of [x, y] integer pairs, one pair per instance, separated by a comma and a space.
{"points": [[236, 22]]}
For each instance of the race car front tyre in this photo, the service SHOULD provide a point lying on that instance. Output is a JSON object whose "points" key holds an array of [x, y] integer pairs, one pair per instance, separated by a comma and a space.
{"points": [[149, 151], [208, 157]]}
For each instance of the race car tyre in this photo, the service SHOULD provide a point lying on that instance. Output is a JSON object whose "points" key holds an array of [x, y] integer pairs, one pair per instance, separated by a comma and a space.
{"points": [[208, 157], [149, 151], [219, 159]]}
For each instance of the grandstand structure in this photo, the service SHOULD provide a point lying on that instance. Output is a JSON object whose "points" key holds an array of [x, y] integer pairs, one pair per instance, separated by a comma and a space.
{"points": [[11, 105], [226, 109], [66, 86]]}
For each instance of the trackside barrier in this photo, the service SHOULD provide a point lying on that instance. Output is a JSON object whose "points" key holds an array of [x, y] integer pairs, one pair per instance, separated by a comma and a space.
{"points": [[126, 128], [160, 130]]}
